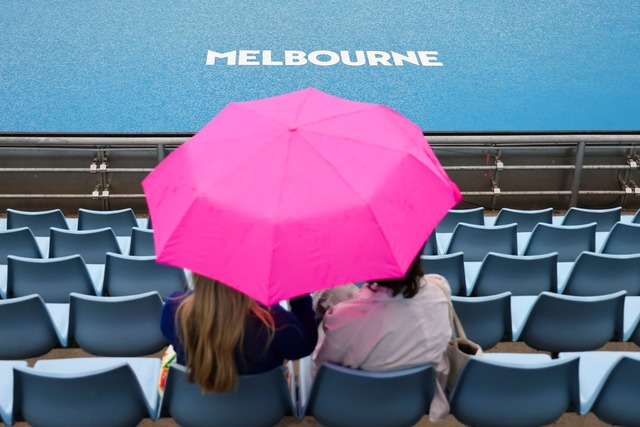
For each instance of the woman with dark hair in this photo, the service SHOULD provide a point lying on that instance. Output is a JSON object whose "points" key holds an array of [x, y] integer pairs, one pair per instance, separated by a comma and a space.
{"points": [[393, 324]]}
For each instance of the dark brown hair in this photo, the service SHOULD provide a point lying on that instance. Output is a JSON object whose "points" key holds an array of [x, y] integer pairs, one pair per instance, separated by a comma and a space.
{"points": [[409, 285]]}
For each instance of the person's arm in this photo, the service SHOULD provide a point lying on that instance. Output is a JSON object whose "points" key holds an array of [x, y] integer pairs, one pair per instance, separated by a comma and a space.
{"points": [[296, 331]]}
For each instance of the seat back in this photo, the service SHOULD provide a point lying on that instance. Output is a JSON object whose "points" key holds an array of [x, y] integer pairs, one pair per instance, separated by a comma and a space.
{"points": [[130, 275], [121, 221], [106, 397], [456, 216], [450, 266], [526, 220], [622, 239], [599, 274], [142, 242], [495, 394], [117, 326], [617, 401], [92, 245], [259, 400], [26, 329], [604, 218], [520, 275], [19, 242], [477, 241], [431, 246], [51, 278], [38, 222], [568, 241], [6, 391], [570, 323], [349, 397], [486, 320]]}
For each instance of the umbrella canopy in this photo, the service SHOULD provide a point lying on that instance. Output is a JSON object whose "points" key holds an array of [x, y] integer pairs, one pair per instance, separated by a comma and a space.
{"points": [[287, 195]]}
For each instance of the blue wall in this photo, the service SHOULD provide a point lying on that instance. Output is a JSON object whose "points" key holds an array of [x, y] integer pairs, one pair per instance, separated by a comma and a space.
{"points": [[140, 66]]}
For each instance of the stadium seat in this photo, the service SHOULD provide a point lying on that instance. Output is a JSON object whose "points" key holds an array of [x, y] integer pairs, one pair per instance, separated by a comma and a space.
{"points": [[38, 222], [486, 320], [130, 275], [91, 391], [19, 242], [51, 278], [431, 245], [121, 221], [476, 241], [622, 239], [599, 274], [260, 400], [142, 242], [558, 323], [604, 218], [350, 397], [27, 329], [502, 393], [526, 220], [117, 326], [456, 216], [567, 240], [92, 245], [518, 274], [6, 389], [451, 267]]}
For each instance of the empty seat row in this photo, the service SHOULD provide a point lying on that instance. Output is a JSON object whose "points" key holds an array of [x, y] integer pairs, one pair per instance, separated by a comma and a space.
{"points": [[492, 390]]}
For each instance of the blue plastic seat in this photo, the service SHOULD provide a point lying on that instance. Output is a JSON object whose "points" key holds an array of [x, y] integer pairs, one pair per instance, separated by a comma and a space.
{"points": [[599, 274], [92, 245], [456, 216], [260, 400], [39, 222], [617, 400], [502, 394], [344, 397], [568, 241], [559, 323], [451, 267], [91, 391], [117, 326], [486, 320], [526, 220], [520, 275], [6, 391], [622, 239], [431, 246], [604, 218], [19, 242], [121, 221], [477, 241], [142, 242]]}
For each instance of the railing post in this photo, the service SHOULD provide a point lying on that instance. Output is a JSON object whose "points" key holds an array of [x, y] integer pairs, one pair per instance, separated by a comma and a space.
{"points": [[577, 174]]}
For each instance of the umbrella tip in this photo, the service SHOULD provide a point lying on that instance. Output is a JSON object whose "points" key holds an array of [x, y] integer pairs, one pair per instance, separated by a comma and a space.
{"points": [[293, 128]]}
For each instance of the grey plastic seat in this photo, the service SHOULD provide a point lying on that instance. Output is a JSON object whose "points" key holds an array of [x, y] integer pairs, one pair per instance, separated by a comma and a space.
{"points": [[142, 242], [599, 274], [91, 391], [559, 323], [604, 218], [92, 245], [344, 397], [19, 242], [486, 320], [456, 216], [121, 221], [476, 241], [39, 222], [526, 220], [117, 326], [622, 239], [520, 275], [502, 394], [51, 278], [26, 328], [130, 275], [260, 400], [431, 246], [451, 267], [568, 241]]}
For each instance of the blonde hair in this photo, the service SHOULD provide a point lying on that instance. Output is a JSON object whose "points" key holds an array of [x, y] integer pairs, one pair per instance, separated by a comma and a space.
{"points": [[211, 324]]}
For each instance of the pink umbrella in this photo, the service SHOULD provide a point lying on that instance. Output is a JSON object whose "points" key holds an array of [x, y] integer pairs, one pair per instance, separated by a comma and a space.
{"points": [[287, 195]]}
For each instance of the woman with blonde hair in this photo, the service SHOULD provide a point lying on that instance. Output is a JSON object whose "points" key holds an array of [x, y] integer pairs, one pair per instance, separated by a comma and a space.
{"points": [[219, 333]]}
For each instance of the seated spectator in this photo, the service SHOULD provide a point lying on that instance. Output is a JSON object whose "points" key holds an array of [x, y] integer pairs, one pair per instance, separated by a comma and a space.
{"points": [[219, 333], [392, 324]]}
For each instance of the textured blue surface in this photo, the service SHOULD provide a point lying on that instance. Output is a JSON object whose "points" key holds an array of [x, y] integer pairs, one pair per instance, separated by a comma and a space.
{"points": [[139, 66]]}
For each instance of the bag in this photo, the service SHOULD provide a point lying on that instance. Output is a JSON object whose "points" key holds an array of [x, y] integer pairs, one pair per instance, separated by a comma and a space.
{"points": [[168, 358], [460, 348]]}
